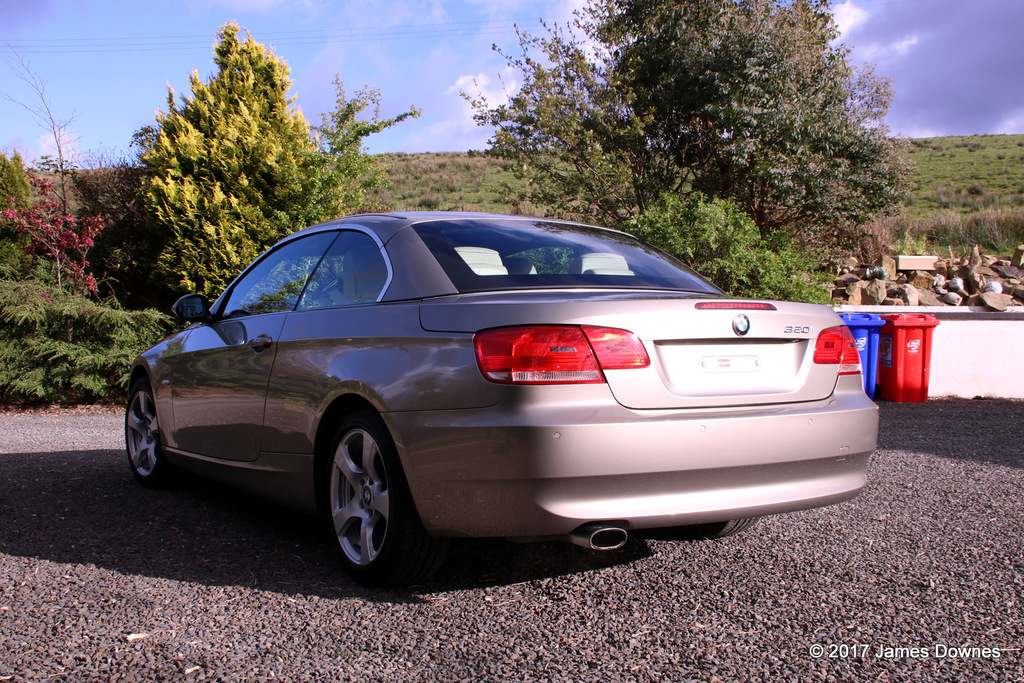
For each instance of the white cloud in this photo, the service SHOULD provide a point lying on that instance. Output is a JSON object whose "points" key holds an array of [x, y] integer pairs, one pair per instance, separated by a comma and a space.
{"points": [[450, 135], [1012, 123], [495, 92], [903, 47], [69, 144], [885, 52], [955, 65], [459, 131], [849, 16]]}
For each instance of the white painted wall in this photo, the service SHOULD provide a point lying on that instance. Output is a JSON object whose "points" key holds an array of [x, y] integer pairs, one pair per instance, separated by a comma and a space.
{"points": [[975, 352]]}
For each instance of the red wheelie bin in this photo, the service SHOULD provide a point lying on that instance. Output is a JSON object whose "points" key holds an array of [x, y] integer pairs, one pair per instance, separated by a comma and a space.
{"points": [[904, 357]]}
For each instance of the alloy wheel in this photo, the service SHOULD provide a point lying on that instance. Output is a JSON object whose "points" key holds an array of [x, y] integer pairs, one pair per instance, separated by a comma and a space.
{"points": [[360, 497]]}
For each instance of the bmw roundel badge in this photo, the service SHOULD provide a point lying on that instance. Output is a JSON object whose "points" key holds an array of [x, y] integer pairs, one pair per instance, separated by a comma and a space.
{"points": [[741, 324]]}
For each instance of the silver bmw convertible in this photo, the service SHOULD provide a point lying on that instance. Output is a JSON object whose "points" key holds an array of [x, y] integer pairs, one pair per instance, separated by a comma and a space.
{"points": [[417, 377]]}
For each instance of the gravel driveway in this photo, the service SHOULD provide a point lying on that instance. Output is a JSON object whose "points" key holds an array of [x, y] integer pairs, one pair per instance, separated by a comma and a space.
{"points": [[920, 578]]}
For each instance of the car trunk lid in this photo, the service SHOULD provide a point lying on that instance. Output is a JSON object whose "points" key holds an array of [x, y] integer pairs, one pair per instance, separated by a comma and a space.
{"points": [[704, 352]]}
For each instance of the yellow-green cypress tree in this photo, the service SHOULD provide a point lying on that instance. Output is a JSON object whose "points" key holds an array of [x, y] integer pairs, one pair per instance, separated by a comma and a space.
{"points": [[226, 170], [14, 192]]}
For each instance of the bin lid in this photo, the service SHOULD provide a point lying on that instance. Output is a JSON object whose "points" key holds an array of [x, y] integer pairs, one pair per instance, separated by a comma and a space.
{"points": [[862, 319], [911, 320]]}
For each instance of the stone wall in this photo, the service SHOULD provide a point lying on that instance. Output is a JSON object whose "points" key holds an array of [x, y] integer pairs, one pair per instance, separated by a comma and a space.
{"points": [[993, 282]]}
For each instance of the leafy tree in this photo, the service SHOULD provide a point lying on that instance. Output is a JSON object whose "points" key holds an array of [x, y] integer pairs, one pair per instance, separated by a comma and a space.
{"points": [[571, 131], [719, 240], [743, 99], [124, 254], [758, 104], [226, 170], [340, 173]]}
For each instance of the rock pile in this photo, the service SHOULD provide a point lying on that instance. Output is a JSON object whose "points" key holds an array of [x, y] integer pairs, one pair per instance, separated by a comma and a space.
{"points": [[991, 281]]}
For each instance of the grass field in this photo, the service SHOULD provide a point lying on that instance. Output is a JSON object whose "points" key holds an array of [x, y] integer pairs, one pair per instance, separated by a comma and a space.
{"points": [[452, 181], [967, 174], [965, 191]]}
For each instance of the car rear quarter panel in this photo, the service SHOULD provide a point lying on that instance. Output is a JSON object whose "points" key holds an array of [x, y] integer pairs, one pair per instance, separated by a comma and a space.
{"points": [[377, 352]]}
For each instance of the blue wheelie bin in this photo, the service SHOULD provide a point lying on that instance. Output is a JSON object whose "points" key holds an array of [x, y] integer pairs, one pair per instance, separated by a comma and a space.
{"points": [[865, 327]]}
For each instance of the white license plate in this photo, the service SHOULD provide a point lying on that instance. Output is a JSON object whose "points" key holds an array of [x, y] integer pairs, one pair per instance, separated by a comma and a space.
{"points": [[718, 364]]}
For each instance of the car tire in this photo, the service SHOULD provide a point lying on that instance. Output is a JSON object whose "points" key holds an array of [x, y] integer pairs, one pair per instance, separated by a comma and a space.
{"points": [[723, 529], [370, 512], [142, 438]]}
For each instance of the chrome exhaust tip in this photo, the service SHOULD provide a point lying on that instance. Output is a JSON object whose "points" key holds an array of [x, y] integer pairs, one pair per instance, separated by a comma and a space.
{"points": [[599, 537]]}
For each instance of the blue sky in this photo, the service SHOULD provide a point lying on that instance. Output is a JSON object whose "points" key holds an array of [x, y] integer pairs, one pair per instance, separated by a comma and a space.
{"points": [[957, 65]]}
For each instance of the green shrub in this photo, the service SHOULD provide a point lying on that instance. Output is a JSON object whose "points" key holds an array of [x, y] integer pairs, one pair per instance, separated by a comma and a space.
{"points": [[59, 347], [125, 253], [721, 242]]}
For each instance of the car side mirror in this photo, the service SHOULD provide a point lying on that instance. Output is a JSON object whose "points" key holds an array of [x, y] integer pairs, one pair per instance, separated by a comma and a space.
{"points": [[192, 307]]}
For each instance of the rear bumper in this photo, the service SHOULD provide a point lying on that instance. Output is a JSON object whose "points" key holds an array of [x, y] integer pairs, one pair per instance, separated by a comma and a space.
{"points": [[548, 459]]}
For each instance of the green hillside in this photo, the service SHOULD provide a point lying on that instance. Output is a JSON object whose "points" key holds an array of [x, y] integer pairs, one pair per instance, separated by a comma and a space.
{"points": [[966, 191], [452, 181], [967, 174]]}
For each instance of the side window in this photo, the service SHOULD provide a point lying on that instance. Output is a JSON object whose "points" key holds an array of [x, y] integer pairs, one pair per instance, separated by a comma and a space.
{"points": [[275, 283], [353, 271]]}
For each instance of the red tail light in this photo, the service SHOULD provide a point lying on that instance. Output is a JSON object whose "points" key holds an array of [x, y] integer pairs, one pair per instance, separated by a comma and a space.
{"points": [[836, 346], [616, 349], [549, 354]]}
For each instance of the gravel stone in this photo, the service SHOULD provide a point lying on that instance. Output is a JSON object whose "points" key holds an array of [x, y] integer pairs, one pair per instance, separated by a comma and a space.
{"points": [[919, 578]]}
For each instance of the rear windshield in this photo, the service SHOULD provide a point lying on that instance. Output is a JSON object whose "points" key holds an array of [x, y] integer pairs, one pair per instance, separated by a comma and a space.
{"points": [[482, 255]]}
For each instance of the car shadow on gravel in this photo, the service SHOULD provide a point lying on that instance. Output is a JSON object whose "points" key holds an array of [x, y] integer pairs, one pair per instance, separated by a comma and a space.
{"points": [[83, 507], [484, 562], [979, 430]]}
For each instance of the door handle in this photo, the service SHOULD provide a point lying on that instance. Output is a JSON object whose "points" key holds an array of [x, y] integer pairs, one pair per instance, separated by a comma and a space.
{"points": [[260, 343]]}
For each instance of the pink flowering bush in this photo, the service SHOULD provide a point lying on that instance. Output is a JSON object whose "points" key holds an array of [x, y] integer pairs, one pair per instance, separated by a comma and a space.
{"points": [[57, 235]]}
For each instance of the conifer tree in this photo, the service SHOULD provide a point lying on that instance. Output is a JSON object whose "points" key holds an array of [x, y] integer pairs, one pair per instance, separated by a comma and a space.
{"points": [[226, 170], [13, 180], [14, 193]]}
